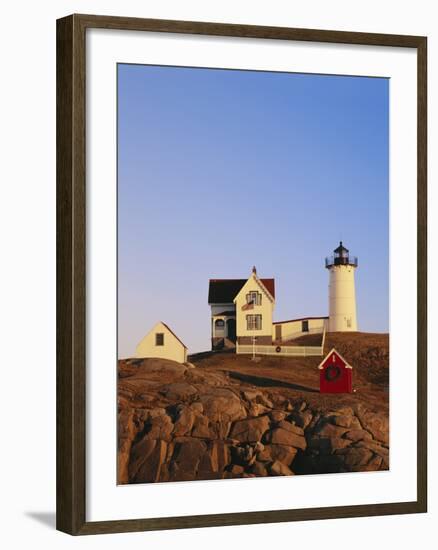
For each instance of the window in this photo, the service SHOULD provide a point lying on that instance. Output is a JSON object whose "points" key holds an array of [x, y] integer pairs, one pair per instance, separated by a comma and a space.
{"points": [[219, 324], [159, 339], [253, 322], [304, 326], [349, 322], [254, 298]]}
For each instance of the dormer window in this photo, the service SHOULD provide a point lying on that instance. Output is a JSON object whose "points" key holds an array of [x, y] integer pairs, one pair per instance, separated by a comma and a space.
{"points": [[254, 298], [159, 339]]}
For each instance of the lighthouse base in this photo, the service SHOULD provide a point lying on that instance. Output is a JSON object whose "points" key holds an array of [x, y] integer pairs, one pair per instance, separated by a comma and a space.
{"points": [[342, 324]]}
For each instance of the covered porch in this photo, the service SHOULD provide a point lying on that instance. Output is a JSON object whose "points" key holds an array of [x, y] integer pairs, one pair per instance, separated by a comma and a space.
{"points": [[223, 329]]}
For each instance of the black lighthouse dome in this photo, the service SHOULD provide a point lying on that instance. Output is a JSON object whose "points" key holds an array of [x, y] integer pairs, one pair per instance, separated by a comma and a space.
{"points": [[341, 256]]}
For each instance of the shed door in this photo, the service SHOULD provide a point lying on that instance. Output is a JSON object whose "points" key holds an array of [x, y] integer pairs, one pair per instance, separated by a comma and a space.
{"points": [[278, 332]]}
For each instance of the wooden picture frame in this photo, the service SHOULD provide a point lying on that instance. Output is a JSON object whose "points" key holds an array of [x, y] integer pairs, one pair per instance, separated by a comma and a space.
{"points": [[71, 273]]}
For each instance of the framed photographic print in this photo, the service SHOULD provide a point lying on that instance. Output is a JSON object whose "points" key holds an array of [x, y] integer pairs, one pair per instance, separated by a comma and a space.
{"points": [[241, 274]]}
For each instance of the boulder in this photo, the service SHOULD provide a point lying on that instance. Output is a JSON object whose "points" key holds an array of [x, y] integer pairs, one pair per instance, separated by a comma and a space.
{"points": [[280, 436], [300, 406], [184, 423], [126, 428], [126, 432], [147, 457], [357, 435], [325, 429], [123, 457], [290, 427], [301, 419], [279, 400], [214, 460], [282, 453], [314, 423], [220, 430], [258, 447], [222, 404], [339, 443], [277, 416], [376, 424], [374, 464], [153, 413], [201, 427], [256, 409], [264, 455], [250, 430], [279, 469], [251, 395], [265, 401], [237, 470], [355, 458], [220, 453], [178, 391], [355, 423], [186, 458], [342, 411], [159, 427], [197, 407], [164, 472], [141, 415], [375, 446], [259, 469], [169, 452], [327, 445], [342, 420]]}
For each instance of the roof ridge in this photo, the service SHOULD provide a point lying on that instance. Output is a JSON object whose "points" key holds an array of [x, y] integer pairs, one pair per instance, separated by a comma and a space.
{"points": [[242, 279], [228, 280], [225, 290], [171, 331]]}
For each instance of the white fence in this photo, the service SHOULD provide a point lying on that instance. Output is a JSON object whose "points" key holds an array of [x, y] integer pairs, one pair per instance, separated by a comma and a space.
{"points": [[289, 351]]}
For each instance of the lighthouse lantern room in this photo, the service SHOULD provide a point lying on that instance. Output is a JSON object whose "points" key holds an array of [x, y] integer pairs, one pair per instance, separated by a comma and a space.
{"points": [[342, 294]]}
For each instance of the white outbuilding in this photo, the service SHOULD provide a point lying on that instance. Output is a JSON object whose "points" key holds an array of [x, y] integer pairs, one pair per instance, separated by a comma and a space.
{"points": [[162, 342]]}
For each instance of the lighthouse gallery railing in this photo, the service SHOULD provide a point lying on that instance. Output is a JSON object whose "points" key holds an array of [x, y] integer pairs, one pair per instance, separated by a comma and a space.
{"points": [[334, 260]]}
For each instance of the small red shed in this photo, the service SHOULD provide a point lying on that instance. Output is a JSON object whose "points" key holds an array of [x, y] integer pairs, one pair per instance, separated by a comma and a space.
{"points": [[336, 375]]}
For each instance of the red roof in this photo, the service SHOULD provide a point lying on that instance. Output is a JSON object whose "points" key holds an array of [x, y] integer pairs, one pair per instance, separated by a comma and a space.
{"points": [[223, 291], [299, 319], [270, 286]]}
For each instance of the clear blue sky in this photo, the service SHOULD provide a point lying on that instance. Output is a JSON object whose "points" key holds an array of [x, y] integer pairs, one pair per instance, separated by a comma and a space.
{"points": [[219, 170]]}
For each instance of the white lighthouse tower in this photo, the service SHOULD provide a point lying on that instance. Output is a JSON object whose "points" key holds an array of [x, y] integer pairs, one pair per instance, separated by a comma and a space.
{"points": [[342, 294]]}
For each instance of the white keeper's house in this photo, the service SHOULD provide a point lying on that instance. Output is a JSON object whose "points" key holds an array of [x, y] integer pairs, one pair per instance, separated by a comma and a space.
{"points": [[242, 310]]}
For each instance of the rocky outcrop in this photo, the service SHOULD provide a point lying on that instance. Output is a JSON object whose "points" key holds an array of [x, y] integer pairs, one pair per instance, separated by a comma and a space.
{"points": [[178, 423]]}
